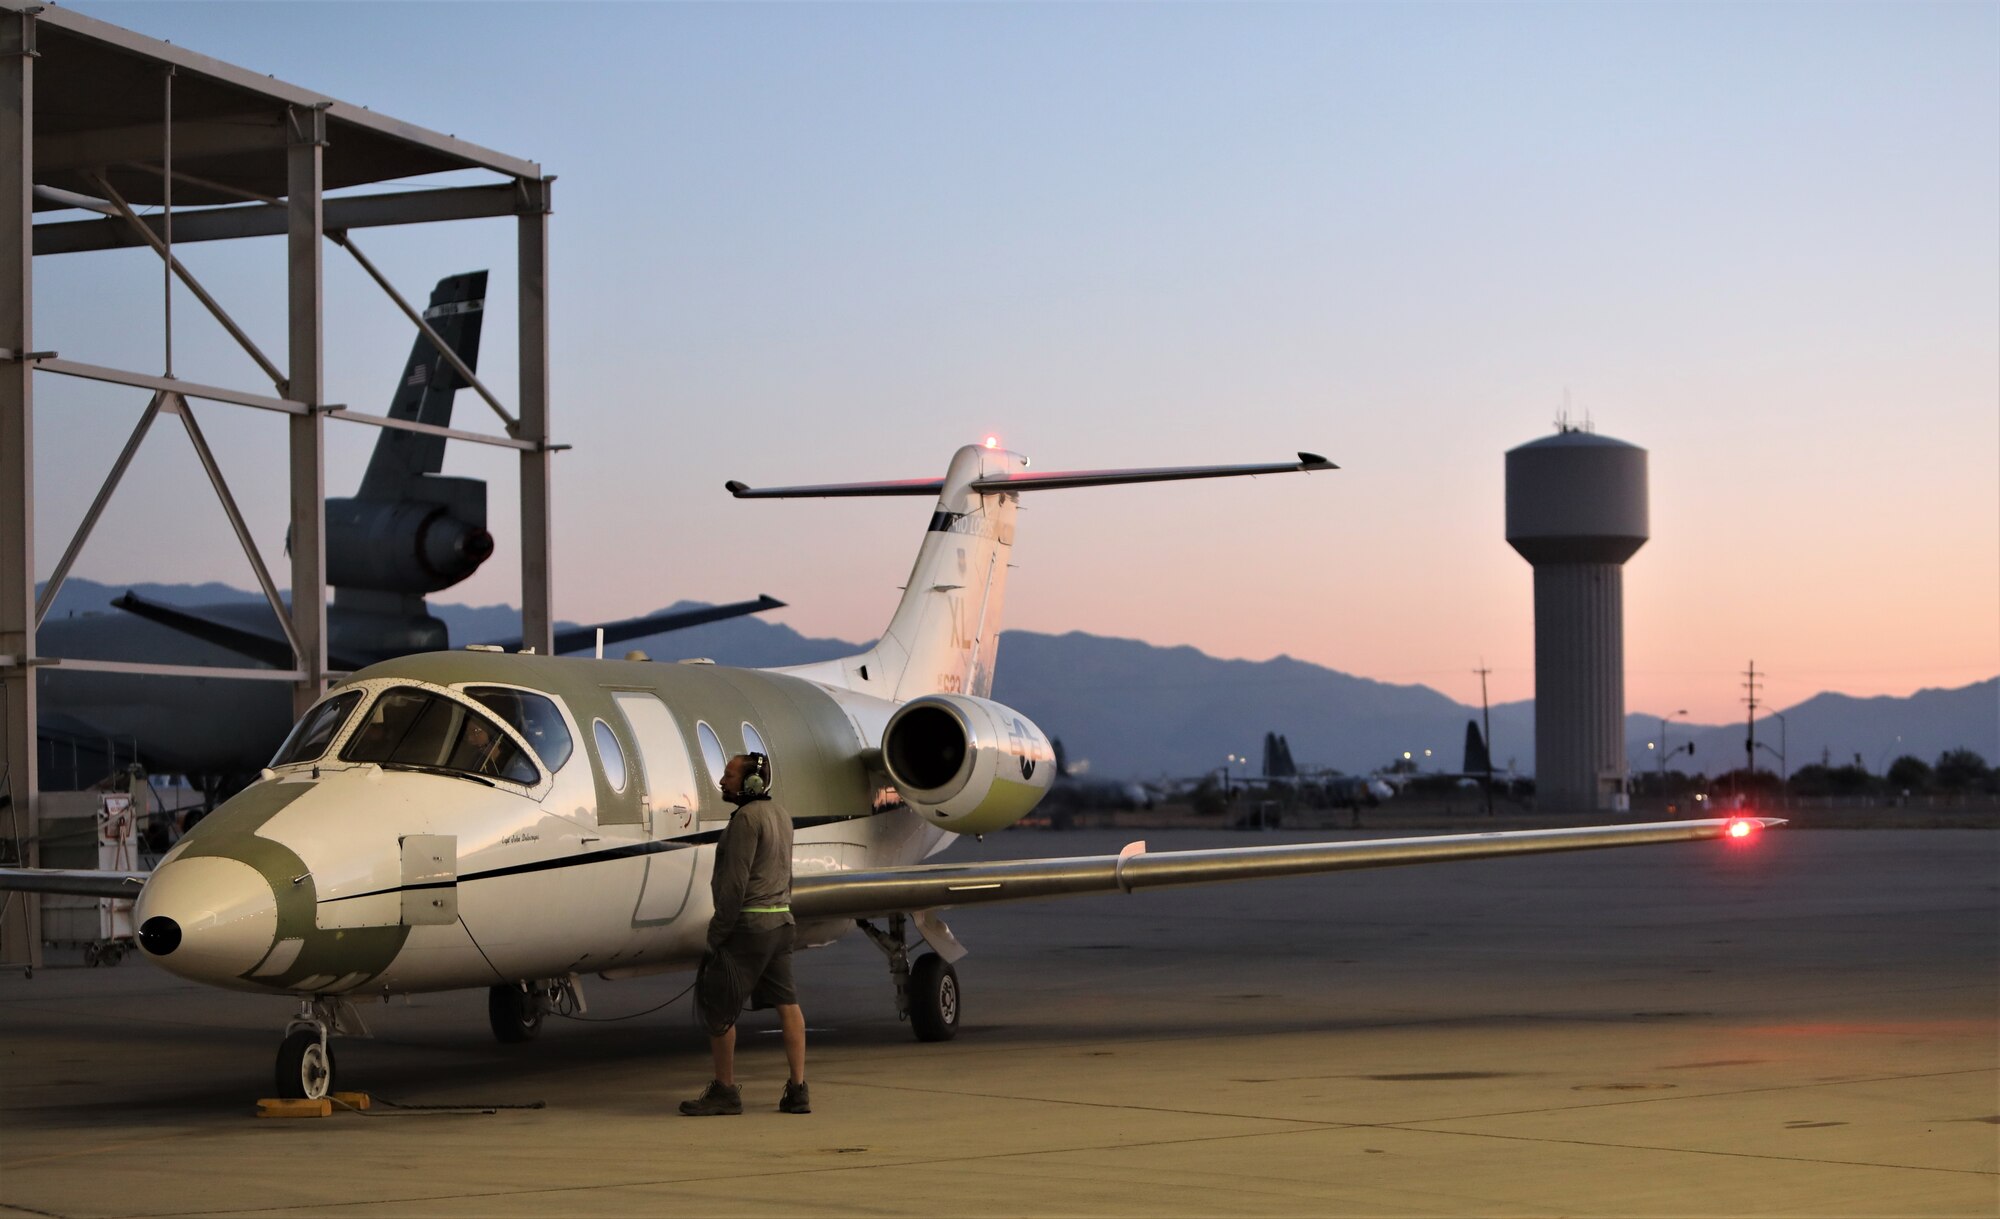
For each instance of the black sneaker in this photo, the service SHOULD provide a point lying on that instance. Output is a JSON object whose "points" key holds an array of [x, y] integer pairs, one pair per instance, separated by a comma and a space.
{"points": [[716, 1099], [796, 1099]]}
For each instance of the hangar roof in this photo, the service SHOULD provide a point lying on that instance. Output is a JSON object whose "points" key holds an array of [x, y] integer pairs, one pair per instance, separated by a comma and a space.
{"points": [[100, 96]]}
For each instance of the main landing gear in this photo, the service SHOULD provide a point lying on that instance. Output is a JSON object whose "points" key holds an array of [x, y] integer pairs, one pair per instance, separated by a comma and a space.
{"points": [[926, 991], [515, 1009], [305, 1056]]}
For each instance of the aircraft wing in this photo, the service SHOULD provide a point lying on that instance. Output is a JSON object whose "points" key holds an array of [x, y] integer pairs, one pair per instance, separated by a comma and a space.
{"points": [[884, 891], [270, 649], [73, 881]]}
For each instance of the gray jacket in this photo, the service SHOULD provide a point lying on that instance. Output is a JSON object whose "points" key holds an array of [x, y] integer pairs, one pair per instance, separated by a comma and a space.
{"points": [[753, 871]]}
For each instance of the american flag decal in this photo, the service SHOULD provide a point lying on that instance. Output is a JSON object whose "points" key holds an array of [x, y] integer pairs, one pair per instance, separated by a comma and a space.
{"points": [[418, 375]]}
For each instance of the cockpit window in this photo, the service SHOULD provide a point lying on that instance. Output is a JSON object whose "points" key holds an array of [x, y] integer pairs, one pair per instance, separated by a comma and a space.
{"points": [[410, 727], [534, 716], [317, 730]]}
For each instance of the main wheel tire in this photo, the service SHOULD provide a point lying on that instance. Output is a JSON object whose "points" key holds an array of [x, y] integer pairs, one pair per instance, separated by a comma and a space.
{"points": [[305, 1066], [91, 955], [934, 998], [515, 1014]]}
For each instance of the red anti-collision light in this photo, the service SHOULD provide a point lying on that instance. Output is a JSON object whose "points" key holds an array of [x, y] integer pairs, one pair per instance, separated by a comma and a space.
{"points": [[1741, 827], [992, 442]]}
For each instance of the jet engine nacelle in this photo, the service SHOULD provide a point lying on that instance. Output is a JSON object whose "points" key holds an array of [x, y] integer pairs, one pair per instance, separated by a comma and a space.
{"points": [[413, 545], [968, 764]]}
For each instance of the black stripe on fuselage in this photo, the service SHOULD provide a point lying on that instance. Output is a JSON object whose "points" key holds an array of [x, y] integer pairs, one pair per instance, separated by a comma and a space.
{"points": [[630, 850]]}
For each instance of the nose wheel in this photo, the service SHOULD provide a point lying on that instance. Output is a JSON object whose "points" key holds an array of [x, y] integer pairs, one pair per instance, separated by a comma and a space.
{"points": [[305, 1065], [305, 1056]]}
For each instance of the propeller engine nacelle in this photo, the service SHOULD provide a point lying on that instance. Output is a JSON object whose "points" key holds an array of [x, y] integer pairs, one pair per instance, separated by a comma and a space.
{"points": [[413, 545], [968, 764]]}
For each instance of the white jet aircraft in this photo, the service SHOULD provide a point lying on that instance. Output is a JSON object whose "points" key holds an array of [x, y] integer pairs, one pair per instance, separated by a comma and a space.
{"points": [[481, 819]]}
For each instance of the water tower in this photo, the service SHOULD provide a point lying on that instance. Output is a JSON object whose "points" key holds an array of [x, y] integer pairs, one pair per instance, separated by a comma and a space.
{"points": [[1576, 510]]}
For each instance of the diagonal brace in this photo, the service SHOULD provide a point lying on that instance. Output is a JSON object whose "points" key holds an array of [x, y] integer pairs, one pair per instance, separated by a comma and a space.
{"points": [[193, 285], [176, 405], [444, 349], [118, 468]]}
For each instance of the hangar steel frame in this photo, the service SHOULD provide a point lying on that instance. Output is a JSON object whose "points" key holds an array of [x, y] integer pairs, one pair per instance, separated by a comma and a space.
{"points": [[102, 119]]}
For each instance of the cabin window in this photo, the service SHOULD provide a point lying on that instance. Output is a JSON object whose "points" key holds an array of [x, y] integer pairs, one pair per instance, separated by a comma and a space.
{"points": [[316, 730], [536, 717], [711, 752], [753, 742], [408, 727], [609, 752]]}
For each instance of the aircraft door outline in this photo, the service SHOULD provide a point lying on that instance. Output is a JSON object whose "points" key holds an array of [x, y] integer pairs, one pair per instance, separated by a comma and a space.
{"points": [[665, 782]]}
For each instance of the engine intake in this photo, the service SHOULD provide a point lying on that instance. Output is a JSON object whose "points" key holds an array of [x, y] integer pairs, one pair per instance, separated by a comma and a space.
{"points": [[969, 764]]}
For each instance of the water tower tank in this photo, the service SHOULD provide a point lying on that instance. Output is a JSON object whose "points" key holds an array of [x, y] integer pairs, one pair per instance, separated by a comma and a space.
{"points": [[1576, 510]]}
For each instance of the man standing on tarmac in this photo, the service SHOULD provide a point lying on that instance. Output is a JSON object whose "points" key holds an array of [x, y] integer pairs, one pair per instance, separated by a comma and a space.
{"points": [[750, 938]]}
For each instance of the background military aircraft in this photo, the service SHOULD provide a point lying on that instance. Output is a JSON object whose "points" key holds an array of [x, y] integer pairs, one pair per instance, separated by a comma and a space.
{"points": [[409, 530]]}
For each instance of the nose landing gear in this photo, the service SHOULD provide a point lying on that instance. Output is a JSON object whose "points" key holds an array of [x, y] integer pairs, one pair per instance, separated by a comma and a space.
{"points": [[305, 1056]]}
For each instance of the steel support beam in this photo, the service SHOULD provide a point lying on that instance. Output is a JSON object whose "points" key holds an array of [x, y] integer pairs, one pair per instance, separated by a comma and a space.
{"points": [[48, 362], [227, 223], [20, 924], [305, 238], [90, 518], [537, 571]]}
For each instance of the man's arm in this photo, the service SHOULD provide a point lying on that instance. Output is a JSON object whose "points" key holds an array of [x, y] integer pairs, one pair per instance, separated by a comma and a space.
{"points": [[734, 854]]}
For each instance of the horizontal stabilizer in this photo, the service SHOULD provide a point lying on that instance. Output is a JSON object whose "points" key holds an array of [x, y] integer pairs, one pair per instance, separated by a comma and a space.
{"points": [[269, 649], [934, 886], [584, 638], [1306, 463]]}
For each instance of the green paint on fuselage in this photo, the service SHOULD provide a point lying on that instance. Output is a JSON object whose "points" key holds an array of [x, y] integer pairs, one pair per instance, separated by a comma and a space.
{"points": [[231, 832]]}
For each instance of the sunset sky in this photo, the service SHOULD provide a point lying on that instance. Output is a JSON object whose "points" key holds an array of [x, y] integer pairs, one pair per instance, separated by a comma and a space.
{"points": [[827, 242]]}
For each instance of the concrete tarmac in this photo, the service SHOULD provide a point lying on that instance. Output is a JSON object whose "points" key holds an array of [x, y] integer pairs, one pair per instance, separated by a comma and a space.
{"points": [[1804, 1027]]}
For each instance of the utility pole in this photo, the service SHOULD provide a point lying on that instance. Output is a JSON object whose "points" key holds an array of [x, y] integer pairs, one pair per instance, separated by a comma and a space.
{"points": [[1750, 739], [1486, 727]]}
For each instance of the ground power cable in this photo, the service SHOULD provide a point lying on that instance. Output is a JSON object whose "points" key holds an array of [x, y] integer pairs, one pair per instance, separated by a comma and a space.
{"points": [[466, 1109]]}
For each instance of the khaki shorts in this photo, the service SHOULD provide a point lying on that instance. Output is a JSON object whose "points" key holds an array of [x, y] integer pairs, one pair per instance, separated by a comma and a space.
{"points": [[753, 965]]}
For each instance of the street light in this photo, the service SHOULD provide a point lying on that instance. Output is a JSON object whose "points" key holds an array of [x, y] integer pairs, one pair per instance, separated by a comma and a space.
{"points": [[1784, 769], [1666, 753]]}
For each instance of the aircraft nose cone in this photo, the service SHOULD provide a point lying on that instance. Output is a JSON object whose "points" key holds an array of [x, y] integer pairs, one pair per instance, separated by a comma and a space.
{"points": [[159, 935], [207, 918]]}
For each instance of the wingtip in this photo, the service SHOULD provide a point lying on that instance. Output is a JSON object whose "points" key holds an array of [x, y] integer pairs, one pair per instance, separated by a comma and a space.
{"points": [[1313, 461], [736, 488]]}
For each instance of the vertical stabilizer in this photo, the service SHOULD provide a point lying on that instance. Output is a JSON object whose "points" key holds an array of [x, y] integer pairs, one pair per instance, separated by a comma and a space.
{"points": [[945, 633], [424, 395]]}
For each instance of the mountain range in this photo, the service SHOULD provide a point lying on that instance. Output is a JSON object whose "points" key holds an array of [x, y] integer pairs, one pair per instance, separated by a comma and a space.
{"points": [[1127, 709]]}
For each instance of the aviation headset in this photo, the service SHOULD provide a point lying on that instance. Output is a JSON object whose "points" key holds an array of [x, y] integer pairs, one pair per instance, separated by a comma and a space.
{"points": [[758, 781]]}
